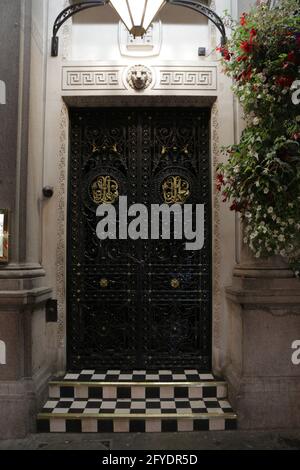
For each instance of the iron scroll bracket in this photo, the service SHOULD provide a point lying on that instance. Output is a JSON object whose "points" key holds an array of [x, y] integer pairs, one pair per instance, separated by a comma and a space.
{"points": [[205, 11], [78, 7], [68, 13]]}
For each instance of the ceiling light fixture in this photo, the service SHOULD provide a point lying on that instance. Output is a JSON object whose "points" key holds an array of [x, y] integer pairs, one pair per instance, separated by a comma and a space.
{"points": [[137, 15]]}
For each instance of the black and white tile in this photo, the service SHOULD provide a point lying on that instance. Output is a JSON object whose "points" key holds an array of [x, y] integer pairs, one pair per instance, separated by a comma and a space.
{"points": [[138, 385], [125, 425], [91, 401], [122, 415], [175, 406], [184, 375]]}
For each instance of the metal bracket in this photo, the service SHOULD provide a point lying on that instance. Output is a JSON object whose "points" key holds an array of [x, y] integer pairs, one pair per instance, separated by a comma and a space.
{"points": [[78, 7], [65, 15], [205, 11]]}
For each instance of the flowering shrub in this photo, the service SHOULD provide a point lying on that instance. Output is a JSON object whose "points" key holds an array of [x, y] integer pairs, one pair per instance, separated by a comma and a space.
{"points": [[262, 175]]}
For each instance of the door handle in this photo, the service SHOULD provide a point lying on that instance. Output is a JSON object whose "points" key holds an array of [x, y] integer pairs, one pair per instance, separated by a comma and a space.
{"points": [[104, 283], [175, 283]]}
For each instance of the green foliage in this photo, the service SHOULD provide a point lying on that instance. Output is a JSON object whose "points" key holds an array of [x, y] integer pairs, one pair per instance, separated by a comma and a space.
{"points": [[262, 175]]}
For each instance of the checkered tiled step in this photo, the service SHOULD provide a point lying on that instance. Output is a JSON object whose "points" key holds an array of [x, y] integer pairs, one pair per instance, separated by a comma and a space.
{"points": [[136, 415], [136, 401], [138, 385], [184, 375]]}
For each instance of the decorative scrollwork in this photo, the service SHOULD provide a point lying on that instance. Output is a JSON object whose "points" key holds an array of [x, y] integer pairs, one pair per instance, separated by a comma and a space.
{"points": [[155, 311], [203, 10], [68, 13], [77, 7], [176, 190], [105, 190]]}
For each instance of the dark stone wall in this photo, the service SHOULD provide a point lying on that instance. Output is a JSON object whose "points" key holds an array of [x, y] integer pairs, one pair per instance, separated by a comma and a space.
{"points": [[15, 36], [9, 73]]}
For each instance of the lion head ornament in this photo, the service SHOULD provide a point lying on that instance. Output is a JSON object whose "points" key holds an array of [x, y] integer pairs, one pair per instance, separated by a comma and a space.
{"points": [[139, 77]]}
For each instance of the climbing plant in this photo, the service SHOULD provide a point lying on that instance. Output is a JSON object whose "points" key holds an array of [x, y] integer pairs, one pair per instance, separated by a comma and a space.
{"points": [[261, 177]]}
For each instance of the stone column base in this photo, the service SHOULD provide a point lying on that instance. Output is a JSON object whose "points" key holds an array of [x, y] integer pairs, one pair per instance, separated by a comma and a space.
{"points": [[25, 357], [264, 321], [20, 401]]}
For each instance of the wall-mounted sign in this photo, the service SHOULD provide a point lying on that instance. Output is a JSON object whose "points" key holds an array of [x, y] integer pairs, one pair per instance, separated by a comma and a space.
{"points": [[2, 92], [4, 234], [2, 353]]}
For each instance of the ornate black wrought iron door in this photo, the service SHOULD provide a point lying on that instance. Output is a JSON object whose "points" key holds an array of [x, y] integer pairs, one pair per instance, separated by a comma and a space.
{"points": [[143, 303]]}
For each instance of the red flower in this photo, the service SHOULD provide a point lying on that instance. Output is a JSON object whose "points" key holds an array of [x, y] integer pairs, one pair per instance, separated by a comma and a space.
{"points": [[220, 178], [234, 206], [284, 82], [248, 74], [225, 52], [253, 33], [243, 20], [225, 196], [245, 75], [246, 46], [291, 57], [220, 181], [242, 58]]}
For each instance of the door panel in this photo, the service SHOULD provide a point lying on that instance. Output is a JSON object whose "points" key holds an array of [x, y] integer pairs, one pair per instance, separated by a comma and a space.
{"points": [[143, 303]]}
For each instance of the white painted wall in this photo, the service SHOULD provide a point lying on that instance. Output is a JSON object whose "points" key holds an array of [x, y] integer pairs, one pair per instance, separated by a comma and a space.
{"points": [[183, 32]]}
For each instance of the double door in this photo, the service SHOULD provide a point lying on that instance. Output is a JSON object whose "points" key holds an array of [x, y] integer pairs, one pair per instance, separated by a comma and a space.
{"points": [[142, 303]]}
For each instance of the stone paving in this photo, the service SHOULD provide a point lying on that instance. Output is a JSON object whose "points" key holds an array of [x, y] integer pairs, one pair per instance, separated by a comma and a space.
{"points": [[229, 440]]}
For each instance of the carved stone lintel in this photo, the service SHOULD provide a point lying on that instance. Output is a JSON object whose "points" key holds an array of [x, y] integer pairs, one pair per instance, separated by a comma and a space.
{"points": [[172, 78]]}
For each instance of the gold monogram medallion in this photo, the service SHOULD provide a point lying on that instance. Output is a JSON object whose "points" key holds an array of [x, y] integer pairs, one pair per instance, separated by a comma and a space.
{"points": [[176, 190], [105, 190]]}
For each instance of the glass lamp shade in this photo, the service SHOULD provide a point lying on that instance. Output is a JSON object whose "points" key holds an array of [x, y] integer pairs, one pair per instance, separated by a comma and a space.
{"points": [[137, 15]]}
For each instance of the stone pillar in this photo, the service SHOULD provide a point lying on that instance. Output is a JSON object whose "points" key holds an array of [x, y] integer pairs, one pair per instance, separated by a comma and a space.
{"points": [[24, 370], [264, 305], [264, 321]]}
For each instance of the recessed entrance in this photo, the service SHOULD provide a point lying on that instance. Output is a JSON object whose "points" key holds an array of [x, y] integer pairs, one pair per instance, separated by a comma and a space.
{"points": [[137, 303]]}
